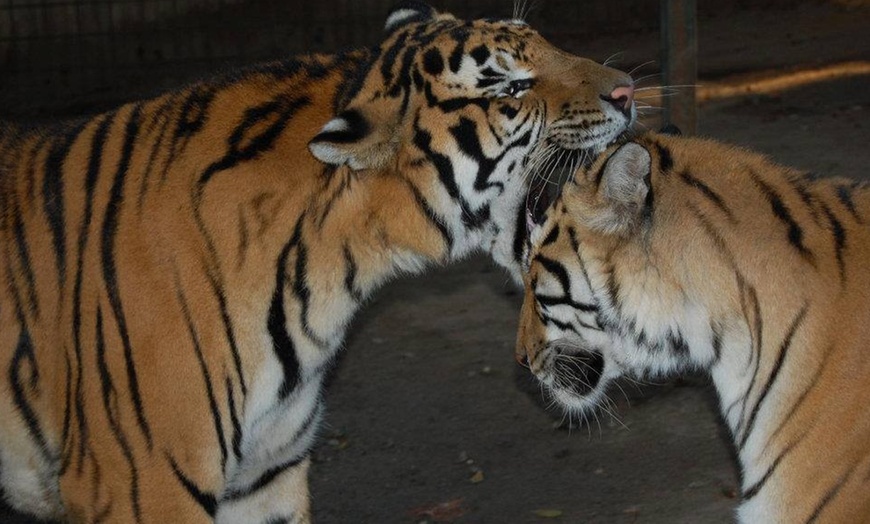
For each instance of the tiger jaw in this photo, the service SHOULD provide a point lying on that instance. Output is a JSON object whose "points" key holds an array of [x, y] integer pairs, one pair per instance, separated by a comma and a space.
{"points": [[576, 379]]}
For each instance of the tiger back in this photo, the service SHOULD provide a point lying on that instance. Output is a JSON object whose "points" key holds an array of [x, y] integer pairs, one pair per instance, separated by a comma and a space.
{"points": [[178, 274], [671, 254]]}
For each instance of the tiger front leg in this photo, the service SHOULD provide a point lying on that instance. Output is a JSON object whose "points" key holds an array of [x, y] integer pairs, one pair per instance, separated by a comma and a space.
{"points": [[278, 495]]}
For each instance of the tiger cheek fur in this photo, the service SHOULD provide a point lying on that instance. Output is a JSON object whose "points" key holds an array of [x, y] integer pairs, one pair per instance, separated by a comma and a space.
{"points": [[695, 254], [178, 274]]}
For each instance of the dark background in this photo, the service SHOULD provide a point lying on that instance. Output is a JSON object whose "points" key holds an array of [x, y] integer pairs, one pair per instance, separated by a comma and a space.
{"points": [[429, 418], [84, 55]]}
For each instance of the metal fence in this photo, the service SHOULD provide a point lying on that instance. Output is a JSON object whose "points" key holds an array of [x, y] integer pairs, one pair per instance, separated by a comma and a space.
{"points": [[59, 57]]}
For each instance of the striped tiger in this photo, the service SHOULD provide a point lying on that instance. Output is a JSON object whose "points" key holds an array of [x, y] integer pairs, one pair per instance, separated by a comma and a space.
{"points": [[673, 253], [178, 274]]}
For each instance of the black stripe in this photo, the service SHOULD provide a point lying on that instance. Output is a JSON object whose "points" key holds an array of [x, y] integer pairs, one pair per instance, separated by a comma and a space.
{"points": [[350, 274], [754, 489], [466, 136], [774, 374], [551, 237], [433, 63], [263, 480], [830, 495], [94, 162], [229, 331], [251, 138], [194, 112], [191, 119], [217, 419], [716, 342], [749, 305], [24, 259], [303, 292], [549, 301], [110, 275], [799, 184], [844, 195], [110, 405], [164, 115], [53, 201], [678, 345], [781, 211], [313, 415], [444, 166], [839, 234], [389, 57], [25, 356], [432, 216], [557, 270], [282, 344], [67, 414], [757, 318], [575, 245], [455, 59], [234, 418], [666, 160], [344, 185], [613, 288], [564, 326], [521, 234], [30, 179], [717, 238], [804, 394], [707, 192], [207, 501]]}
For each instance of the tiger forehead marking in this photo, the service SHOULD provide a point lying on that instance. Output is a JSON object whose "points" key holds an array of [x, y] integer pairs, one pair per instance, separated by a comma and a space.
{"points": [[690, 254]]}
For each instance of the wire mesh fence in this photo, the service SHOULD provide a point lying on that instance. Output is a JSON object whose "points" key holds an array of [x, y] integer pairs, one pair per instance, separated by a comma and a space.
{"points": [[75, 56]]}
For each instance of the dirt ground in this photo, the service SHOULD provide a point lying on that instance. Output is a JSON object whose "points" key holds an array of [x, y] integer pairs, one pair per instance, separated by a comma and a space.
{"points": [[430, 419]]}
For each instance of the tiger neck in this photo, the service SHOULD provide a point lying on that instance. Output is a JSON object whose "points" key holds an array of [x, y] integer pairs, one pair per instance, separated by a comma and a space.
{"points": [[362, 229]]}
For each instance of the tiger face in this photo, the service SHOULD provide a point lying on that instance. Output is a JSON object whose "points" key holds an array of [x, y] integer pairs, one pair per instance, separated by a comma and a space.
{"points": [[589, 253], [461, 105]]}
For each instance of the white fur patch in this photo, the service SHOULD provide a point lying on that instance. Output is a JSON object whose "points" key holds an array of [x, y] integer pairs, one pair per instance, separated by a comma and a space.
{"points": [[398, 17], [336, 124], [328, 153]]}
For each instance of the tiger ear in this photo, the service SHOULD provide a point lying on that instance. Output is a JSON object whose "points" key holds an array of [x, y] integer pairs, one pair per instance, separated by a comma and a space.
{"points": [[624, 186], [361, 137], [408, 12]]}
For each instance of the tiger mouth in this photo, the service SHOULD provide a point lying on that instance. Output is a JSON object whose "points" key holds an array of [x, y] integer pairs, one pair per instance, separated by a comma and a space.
{"points": [[550, 177], [580, 373], [547, 182]]}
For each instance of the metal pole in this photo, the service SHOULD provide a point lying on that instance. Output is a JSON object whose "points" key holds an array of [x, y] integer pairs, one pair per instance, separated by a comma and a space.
{"points": [[679, 22]]}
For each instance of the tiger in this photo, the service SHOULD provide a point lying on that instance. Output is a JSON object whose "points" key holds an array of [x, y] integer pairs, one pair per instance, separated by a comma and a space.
{"points": [[674, 253], [178, 274]]}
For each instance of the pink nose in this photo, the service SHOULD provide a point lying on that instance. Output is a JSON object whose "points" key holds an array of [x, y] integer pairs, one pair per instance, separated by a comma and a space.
{"points": [[621, 98]]}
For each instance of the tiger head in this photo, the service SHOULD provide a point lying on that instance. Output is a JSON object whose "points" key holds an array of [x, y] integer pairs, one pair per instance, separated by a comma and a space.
{"points": [[457, 107], [602, 298]]}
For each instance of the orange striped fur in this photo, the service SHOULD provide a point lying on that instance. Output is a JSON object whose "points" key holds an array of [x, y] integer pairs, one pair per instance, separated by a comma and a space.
{"points": [[177, 275], [674, 253]]}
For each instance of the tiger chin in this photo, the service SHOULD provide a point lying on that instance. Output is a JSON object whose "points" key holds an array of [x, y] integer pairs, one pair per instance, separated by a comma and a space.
{"points": [[670, 254], [178, 273]]}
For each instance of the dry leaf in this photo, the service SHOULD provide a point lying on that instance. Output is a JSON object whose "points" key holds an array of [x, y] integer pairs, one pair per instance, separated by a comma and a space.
{"points": [[443, 512], [477, 478], [548, 513]]}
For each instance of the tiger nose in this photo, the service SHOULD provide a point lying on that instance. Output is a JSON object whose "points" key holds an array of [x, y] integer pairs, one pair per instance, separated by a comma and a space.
{"points": [[621, 98]]}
